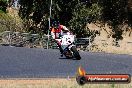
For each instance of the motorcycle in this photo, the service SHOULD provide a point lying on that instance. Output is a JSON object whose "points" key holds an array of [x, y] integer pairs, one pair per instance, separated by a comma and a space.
{"points": [[67, 42]]}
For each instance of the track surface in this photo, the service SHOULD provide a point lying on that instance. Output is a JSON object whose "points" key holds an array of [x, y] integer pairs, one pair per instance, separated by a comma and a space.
{"points": [[35, 63]]}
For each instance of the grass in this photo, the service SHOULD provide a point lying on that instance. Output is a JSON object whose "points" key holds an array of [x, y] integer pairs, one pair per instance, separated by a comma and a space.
{"points": [[55, 83], [103, 44]]}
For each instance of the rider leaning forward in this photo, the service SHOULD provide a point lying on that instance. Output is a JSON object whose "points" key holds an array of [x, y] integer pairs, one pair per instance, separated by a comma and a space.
{"points": [[57, 31]]}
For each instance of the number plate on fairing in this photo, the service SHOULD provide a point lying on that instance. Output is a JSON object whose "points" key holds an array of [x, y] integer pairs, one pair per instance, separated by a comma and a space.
{"points": [[67, 39]]}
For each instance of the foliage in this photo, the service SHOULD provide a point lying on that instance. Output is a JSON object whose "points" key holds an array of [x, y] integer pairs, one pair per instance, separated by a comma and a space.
{"points": [[83, 15], [4, 21], [7, 22], [115, 11], [37, 13], [3, 5], [129, 12], [75, 14]]}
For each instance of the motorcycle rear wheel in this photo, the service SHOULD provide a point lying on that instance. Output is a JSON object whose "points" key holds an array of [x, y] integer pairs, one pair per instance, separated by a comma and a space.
{"points": [[75, 53], [68, 55]]}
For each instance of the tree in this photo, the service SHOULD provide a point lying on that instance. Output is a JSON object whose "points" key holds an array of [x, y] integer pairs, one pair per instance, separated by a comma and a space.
{"points": [[75, 14], [83, 14], [129, 12], [3, 5], [7, 23], [36, 13]]}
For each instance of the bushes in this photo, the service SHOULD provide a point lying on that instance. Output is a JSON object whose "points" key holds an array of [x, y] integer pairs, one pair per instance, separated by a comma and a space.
{"points": [[3, 5], [5, 22], [8, 23]]}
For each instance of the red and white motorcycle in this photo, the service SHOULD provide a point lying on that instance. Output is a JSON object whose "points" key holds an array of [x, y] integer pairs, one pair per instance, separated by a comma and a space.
{"points": [[67, 42]]}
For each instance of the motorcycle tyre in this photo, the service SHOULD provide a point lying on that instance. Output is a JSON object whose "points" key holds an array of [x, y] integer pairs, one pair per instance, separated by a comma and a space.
{"points": [[75, 53]]}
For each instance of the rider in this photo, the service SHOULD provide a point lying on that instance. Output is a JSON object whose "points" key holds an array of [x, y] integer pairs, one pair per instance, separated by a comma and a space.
{"points": [[57, 31]]}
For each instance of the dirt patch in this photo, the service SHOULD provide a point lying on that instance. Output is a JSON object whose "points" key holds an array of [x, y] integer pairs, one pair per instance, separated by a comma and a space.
{"points": [[55, 83], [105, 43]]}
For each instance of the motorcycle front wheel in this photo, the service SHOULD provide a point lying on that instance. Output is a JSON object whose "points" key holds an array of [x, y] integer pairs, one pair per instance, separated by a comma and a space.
{"points": [[75, 53]]}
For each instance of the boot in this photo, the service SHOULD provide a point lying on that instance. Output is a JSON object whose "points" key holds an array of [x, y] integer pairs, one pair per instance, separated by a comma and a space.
{"points": [[61, 51], [61, 55]]}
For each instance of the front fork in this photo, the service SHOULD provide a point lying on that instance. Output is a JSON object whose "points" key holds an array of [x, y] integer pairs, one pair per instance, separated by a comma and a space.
{"points": [[70, 48]]}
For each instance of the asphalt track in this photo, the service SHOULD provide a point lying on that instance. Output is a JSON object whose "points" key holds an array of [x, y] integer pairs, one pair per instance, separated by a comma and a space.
{"points": [[16, 62]]}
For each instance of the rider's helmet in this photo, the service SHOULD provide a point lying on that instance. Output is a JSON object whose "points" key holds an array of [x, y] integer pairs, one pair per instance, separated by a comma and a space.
{"points": [[56, 24]]}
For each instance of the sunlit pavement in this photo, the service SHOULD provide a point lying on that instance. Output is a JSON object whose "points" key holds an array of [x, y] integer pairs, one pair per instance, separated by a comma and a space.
{"points": [[18, 62]]}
